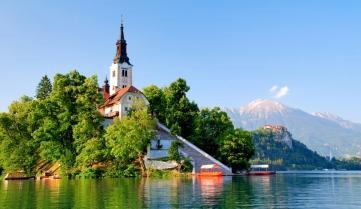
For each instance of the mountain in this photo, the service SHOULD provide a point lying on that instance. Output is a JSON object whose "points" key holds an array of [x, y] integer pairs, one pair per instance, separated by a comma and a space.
{"points": [[275, 146], [340, 121], [323, 132]]}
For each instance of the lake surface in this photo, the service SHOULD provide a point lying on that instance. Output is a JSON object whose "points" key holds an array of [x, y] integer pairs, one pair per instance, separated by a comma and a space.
{"points": [[285, 190]]}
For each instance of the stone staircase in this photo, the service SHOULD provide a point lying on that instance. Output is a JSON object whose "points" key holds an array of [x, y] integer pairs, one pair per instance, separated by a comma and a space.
{"points": [[198, 156]]}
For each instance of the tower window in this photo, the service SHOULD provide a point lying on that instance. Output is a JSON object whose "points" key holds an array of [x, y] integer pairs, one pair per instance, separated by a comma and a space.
{"points": [[124, 73], [124, 86], [113, 73]]}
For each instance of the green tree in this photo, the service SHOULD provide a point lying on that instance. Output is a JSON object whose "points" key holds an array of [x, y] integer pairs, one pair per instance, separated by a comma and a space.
{"points": [[157, 102], [209, 127], [171, 107], [173, 152], [180, 111], [18, 150], [127, 139], [68, 123], [237, 149], [44, 88]]}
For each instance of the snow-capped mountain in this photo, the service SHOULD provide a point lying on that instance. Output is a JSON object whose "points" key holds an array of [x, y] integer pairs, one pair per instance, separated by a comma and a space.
{"points": [[322, 132]]}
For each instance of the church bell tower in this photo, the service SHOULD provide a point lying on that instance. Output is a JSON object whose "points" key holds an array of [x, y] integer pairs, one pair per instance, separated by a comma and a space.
{"points": [[121, 69]]}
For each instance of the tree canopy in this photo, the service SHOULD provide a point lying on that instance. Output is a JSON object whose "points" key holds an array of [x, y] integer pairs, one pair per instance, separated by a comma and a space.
{"points": [[44, 88], [210, 125], [127, 139], [18, 150], [68, 123], [237, 149], [172, 107], [209, 129]]}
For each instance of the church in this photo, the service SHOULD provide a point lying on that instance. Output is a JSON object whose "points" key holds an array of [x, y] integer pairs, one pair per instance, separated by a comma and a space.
{"points": [[119, 94]]}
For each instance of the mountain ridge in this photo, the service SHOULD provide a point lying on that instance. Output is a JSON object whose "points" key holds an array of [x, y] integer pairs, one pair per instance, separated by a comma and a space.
{"points": [[322, 132]]}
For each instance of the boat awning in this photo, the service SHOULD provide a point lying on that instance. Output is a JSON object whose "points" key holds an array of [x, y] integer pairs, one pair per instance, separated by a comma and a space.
{"points": [[259, 166], [209, 166]]}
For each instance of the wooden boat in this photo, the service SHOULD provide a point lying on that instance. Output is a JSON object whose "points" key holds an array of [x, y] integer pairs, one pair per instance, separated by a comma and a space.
{"points": [[260, 170], [18, 176], [210, 170]]}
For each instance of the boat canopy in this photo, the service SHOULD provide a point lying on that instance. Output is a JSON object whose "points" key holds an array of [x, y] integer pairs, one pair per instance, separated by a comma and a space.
{"points": [[209, 166], [259, 166]]}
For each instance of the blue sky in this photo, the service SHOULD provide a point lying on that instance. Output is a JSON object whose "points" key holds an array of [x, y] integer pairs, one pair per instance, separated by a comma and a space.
{"points": [[230, 52]]}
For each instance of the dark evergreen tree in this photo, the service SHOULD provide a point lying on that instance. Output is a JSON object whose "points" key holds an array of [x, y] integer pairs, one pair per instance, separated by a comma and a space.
{"points": [[44, 88]]}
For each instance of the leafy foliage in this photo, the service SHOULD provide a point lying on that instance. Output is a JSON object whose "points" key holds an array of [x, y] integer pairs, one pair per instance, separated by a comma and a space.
{"points": [[127, 139], [187, 165], [172, 107], [237, 149], [173, 152], [210, 126], [18, 150], [206, 128], [68, 123], [44, 88]]}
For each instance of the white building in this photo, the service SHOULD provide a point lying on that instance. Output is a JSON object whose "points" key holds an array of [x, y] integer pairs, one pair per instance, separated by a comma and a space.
{"points": [[120, 94]]}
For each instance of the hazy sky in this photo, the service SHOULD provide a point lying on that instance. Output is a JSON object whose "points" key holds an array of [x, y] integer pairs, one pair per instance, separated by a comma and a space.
{"points": [[306, 54]]}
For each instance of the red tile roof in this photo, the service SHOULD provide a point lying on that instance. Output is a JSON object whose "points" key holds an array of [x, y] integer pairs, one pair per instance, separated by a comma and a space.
{"points": [[114, 98]]}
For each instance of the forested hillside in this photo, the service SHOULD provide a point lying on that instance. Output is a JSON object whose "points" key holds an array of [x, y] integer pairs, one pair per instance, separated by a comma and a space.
{"points": [[271, 149]]}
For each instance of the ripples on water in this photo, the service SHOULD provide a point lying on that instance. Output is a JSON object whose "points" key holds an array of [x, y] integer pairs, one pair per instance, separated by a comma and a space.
{"points": [[286, 190]]}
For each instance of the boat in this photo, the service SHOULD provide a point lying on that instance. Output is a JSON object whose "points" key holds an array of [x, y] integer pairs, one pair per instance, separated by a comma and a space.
{"points": [[210, 170], [50, 175], [260, 170], [18, 176]]}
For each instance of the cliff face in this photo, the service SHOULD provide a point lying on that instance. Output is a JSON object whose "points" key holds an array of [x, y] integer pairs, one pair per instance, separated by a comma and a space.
{"points": [[280, 134]]}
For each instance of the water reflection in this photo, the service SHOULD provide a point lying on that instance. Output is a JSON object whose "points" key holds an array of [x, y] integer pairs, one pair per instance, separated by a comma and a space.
{"points": [[280, 191]]}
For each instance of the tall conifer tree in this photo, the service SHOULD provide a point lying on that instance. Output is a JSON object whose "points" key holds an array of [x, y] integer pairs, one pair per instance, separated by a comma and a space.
{"points": [[44, 88]]}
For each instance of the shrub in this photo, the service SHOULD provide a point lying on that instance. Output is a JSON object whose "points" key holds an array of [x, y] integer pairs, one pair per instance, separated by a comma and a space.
{"points": [[187, 165]]}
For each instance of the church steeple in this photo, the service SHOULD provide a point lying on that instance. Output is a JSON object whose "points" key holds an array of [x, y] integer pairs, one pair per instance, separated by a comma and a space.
{"points": [[121, 55], [121, 72]]}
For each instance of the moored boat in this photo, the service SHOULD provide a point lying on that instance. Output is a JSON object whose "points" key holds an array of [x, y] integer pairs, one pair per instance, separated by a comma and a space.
{"points": [[260, 170], [210, 170]]}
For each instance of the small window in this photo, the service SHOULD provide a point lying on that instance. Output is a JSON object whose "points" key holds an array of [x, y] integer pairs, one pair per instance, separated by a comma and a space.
{"points": [[126, 109], [124, 72], [113, 73], [124, 86], [130, 98]]}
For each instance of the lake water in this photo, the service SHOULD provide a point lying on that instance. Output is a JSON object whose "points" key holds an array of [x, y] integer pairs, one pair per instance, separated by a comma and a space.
{"points": [[286, 190]]}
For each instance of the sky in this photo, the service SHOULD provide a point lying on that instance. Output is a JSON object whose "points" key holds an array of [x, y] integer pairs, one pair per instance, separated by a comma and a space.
{"points": [[305, 54]]}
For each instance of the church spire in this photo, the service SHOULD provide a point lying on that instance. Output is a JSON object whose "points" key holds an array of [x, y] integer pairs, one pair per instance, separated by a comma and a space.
{"points": [[122, 30], [121, 55]]}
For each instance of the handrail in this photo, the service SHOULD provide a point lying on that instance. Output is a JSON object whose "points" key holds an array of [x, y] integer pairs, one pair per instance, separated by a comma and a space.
{"points": [[196, 148]]}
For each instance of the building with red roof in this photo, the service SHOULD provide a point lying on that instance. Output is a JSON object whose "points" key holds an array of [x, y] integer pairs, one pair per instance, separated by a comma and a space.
{"points": [[120, 94]]}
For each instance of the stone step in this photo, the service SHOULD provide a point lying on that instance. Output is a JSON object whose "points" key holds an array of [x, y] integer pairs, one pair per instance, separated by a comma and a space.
{"points": [[197, 156]]}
